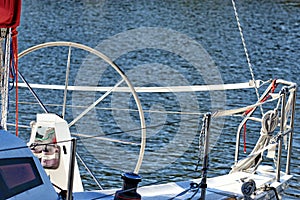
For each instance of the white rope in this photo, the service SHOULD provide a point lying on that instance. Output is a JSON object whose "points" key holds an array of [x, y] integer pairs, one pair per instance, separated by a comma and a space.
{"points": [[218, 113], [5, 82], [192, 88], [105, 139], [246, 163], [1, 52], [120, 109], [246, 51], [222, 113]]}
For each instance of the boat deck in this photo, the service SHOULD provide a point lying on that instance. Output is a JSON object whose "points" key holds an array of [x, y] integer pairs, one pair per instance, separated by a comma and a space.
{"points": [[228, 187]]}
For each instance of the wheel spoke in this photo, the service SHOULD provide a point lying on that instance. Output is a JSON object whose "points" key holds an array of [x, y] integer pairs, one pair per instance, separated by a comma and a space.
{"points": [[95, 103], [66, 83]]}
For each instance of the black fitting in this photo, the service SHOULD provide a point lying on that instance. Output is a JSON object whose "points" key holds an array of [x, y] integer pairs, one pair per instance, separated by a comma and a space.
{"points": [[284, 90], [130, 183]]}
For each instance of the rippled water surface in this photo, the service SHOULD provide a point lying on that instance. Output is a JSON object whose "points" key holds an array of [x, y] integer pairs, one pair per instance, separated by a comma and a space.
{"points": [[160, 43]]}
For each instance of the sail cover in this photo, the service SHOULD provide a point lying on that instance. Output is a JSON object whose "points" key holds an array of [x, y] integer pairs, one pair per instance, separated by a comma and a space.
{"points": [[10, 11]]}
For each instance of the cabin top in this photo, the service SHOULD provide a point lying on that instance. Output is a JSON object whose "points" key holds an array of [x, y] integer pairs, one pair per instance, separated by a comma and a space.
{"points": [[21, 174]]}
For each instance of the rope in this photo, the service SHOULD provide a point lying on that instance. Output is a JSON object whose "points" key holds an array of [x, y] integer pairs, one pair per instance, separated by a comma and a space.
{"points": [[168, 89], [201, 144], [5, 82], [119, 109], [273, 87], [89, 171], [244, 137], [192, 187], [221, 113], [15, 59], [1, 69], [33, 93], [218, 113], [248, 188], [102, 196], [246, 51]]}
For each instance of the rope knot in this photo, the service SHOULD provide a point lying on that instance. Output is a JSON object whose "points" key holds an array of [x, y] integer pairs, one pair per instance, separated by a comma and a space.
{"points": [[269, 122]]}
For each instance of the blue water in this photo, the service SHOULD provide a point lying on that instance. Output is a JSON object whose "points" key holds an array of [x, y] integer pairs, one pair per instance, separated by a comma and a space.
{"points": [[149, 40]]}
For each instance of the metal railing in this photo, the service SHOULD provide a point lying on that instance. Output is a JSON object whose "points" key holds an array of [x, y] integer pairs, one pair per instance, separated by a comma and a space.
{"points": [[288, 91]]}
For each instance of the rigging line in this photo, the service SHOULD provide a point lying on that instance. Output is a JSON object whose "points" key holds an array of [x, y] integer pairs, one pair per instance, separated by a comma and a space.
{"points": [[234, 111], [105, 138], [127, 131], [41, 144], [149, 184], [237, 110], [246, 52], [89, 171], [138, 129], [216, 114], [231, 112], [20, 125], [220, 113], [121, 109], [115, 133], [100, 137], [195, 187], [14, 148], [208, 189], [24, 147], [33, 92]]}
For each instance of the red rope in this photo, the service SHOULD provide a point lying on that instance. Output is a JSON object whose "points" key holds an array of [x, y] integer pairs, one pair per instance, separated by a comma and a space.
{"points": [[15, 54], [244, 136], [273, 87]]}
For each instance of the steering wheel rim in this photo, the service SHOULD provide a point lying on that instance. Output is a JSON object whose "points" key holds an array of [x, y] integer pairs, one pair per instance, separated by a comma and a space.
{"points": [[117, 69]]}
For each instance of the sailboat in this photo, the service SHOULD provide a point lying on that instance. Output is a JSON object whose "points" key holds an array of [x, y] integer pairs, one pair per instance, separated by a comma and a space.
{"points": [[47, 165]]}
